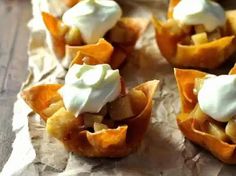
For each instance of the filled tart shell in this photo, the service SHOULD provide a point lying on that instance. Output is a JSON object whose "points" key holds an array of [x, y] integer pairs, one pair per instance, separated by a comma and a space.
{"points": [[188, 124], [122, 37], [207, 55], [112, 142]]}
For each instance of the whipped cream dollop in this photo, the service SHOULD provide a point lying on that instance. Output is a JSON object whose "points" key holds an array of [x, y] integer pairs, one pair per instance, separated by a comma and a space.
{"points": [[196, 12], [93, 18], [217, 97], [88, 88]]}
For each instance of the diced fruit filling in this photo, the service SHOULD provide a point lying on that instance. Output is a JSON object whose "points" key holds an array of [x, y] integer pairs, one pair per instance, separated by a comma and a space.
{"points": [[110, 116], [117, 34], [223, 131], [193, 35], [73, 37]]}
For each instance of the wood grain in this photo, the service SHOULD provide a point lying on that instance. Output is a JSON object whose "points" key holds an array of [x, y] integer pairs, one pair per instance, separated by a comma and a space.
{"points": [[14, 36]]}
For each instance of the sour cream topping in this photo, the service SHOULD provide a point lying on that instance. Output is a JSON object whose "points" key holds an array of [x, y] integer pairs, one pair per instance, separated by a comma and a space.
{"points": [[88, 88], [217, 97], [93, 18], [195, 12]]}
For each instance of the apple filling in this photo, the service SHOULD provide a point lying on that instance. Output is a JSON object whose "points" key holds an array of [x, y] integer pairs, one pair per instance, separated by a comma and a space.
{"points": [[193, 35], [110, 116], [225, 131], [117, 34]]}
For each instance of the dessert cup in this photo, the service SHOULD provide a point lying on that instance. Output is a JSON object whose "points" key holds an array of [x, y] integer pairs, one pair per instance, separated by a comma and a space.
{"points": [[176, 44], [199, 127], [117, 133], [122, 36]]}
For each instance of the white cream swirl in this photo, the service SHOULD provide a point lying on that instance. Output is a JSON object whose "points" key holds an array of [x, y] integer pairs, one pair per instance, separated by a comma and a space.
{"points": [[195, 12], [88, 88], [93, 18], [217, 97]]}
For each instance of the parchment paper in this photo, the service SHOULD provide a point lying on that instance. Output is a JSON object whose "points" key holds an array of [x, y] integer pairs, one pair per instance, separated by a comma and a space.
{"points": [[164, 150]]}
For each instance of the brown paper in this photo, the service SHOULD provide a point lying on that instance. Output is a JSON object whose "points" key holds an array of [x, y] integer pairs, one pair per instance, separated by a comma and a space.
{"points": [[164, 150]]}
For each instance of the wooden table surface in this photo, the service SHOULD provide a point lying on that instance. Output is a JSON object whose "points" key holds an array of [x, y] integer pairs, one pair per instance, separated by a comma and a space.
{"points": [[14, 36]]}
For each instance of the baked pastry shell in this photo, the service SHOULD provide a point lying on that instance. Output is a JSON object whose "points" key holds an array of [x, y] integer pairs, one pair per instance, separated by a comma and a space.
{"points": [[112, 143], [71, 3], [122, 49], [209, 55], [189, 126]]}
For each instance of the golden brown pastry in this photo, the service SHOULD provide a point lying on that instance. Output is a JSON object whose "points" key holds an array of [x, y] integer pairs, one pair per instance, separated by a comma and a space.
{"points": [[71, 3], [99, 53], [122, 33], [185, 45], [114, 131], [202, 118]]}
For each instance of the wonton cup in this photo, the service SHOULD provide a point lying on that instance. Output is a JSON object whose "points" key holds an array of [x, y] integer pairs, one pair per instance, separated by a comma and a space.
{"points": [[122, 37], [190, 126], [112, 142], [71, 3], [99, 53], [206, 55]]}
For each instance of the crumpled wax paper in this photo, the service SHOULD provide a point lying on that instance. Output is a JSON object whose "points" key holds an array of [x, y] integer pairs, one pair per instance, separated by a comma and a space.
{"points": [[164, 150]]}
